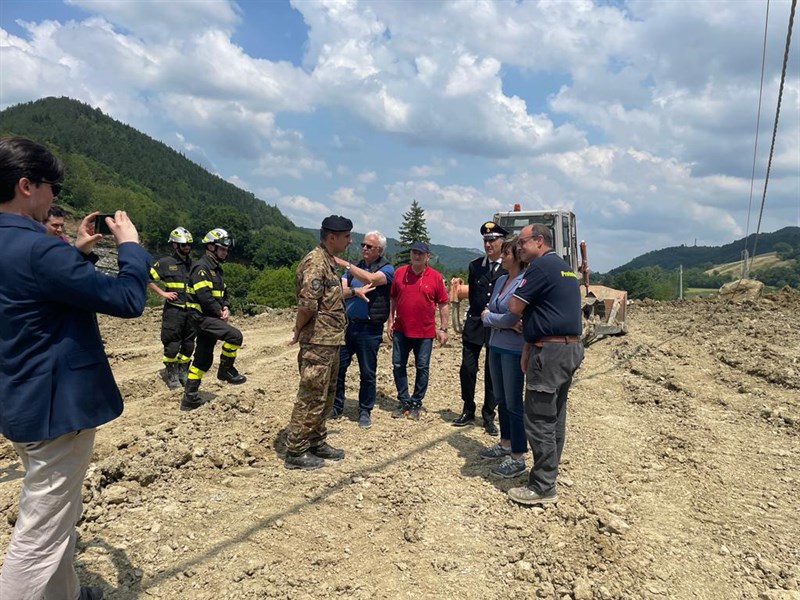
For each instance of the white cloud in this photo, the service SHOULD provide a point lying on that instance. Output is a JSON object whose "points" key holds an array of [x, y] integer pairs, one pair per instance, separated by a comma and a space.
{"points": [[640, 117], [347, 198], [366, 177]]}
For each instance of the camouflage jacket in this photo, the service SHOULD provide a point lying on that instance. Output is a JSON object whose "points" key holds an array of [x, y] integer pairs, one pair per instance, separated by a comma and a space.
{"points": [[319, 291]]}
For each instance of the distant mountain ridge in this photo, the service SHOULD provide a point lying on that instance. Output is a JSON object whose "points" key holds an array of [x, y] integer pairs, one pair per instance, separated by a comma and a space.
{"points": [[707, 256]]}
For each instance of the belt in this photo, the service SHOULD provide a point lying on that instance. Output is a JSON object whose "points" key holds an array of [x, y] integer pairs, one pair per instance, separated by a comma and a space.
{"points": [[557, 339], [363, 321]]}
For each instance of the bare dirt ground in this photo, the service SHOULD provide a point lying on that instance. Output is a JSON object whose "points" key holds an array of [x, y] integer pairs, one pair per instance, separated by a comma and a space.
{"points": [[680, 476]]}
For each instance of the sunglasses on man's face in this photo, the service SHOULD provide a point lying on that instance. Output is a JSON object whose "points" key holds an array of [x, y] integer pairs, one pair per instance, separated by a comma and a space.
{"points": [[55, 187], [367, 246]]}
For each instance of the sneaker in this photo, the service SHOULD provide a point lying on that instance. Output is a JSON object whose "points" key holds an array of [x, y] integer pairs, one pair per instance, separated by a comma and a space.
{"points": [[496, 450], [413, 414], [327, 451], [335, 413], [509, 468], [364, 420], [400, 412], [525, 495]]}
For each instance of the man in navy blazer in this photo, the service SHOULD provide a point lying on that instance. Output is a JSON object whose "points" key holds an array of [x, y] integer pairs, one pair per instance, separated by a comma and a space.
{"points": [[56, 385]]}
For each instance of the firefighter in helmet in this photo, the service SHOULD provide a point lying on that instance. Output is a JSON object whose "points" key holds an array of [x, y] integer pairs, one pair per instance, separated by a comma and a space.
{"points": [[209, 308], [170, 280]]}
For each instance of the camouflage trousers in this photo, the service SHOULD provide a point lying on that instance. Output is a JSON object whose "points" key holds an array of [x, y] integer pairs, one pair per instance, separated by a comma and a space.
{"points": [[319, 367]]}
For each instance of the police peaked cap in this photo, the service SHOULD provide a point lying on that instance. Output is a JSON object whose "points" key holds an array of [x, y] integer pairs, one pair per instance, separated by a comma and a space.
{"points": [[490, 229], [337, 223]]}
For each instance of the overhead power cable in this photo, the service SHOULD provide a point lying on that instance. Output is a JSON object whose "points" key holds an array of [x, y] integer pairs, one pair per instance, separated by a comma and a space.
{"points": [[758, 127], [775, 126]]}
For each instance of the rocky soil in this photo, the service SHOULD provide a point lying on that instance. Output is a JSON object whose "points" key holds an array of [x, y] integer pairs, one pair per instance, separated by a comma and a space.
{"points": [[680, 476]]}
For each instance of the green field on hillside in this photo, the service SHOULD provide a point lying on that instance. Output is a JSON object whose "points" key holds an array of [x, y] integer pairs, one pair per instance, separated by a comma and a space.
{"points": [[767, 260]]}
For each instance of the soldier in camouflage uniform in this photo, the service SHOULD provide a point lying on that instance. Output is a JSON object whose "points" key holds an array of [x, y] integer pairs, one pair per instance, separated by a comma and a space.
{"points": [[319, 329]]}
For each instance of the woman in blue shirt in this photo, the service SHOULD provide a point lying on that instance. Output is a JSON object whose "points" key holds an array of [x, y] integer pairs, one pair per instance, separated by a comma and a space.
{"points": [[505, 350]]}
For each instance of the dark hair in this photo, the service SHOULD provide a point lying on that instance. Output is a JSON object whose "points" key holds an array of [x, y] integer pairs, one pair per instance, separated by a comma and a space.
{"points": [[21, 157], [55, 211], [540, 229], [511, 242]]}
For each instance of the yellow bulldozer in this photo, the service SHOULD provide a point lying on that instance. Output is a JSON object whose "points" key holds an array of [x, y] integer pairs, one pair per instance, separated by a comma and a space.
{"points": [[603, 307]]}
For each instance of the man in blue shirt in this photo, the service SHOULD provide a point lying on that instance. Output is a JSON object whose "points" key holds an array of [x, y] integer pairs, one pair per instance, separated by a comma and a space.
{"points": [[365, 287], [549, 302], [56, 385]]}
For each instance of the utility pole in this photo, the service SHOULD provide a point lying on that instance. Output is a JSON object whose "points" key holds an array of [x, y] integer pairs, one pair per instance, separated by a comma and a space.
{"points": [[680, 283], [745, 264]]}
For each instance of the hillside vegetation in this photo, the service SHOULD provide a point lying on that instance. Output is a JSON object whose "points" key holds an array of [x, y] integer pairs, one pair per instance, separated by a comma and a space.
{"points": [[708, 256], [659, 277]]}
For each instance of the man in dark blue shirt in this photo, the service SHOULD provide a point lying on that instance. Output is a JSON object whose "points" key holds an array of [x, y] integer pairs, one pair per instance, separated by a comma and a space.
{"points": [[549, 302]]}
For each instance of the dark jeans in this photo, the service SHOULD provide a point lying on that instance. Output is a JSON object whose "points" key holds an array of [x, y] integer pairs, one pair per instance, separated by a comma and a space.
{"points": [[401, 348], [509, 381], [363, 341], [470, 357]]}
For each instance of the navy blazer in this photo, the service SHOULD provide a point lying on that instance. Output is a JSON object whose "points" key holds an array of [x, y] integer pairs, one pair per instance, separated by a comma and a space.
{"points": [[54, 374]]}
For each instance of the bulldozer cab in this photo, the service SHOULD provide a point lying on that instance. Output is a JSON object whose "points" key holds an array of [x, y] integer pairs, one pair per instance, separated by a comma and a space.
{"points": [[560, 222]]}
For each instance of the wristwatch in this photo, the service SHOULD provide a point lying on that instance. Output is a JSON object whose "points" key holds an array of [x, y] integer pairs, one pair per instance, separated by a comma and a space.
{"points": [[443, 329]]}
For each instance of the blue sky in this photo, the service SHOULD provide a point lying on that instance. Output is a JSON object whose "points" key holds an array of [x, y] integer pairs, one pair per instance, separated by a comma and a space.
{"points": [[638, 116]]}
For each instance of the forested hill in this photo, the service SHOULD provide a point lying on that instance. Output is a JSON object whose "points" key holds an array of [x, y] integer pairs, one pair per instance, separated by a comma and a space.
{"points": [[707, 256], [112, 166]]}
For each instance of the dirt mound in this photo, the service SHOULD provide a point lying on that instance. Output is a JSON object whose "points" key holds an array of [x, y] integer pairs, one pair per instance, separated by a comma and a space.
{"points": [[679, 478]]}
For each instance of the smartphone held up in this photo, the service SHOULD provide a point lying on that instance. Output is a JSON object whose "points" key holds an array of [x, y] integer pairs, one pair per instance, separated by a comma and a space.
{"points": [[100, 225]]}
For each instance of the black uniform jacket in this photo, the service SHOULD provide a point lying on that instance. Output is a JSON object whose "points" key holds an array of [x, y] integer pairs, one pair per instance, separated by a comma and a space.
{"points": [[481, 283]]}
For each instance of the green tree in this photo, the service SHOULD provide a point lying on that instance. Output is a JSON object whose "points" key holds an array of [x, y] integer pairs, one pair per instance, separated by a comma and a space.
{"points": [[412, 230], [274, 287]]}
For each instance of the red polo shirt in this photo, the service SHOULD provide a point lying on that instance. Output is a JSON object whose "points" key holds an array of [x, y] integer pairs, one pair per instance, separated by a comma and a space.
{"points": [[416, 298]]}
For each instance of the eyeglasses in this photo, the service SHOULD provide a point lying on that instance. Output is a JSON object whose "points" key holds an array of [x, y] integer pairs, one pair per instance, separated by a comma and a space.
{"points": [[367, 246], [522, 240], [55, 187]]}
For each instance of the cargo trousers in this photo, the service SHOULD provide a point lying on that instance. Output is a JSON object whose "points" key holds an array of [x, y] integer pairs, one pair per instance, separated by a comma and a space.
{"points": [[319, 367], [547, 382]]}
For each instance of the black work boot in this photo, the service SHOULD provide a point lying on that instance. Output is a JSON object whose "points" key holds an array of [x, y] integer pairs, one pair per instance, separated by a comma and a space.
{"points": [[227, 372], [173, 382], [183, 371], [191, 395], [325, 450], [306, 461]]}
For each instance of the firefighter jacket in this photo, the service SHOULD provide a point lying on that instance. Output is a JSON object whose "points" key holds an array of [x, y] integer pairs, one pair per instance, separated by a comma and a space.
{"points": [[207, 293], [173, 273]]}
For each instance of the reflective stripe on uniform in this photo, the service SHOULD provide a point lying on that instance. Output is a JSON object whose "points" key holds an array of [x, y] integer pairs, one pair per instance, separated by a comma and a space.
{"points": [[195, 373], [229, 350]]}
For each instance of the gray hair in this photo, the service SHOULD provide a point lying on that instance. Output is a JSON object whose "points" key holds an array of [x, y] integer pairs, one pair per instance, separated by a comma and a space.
{"points": [[380, 236]]}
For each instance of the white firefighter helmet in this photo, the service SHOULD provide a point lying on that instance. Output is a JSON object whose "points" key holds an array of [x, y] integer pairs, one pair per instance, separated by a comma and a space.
{"points": [[218, 237], [180, 235]]}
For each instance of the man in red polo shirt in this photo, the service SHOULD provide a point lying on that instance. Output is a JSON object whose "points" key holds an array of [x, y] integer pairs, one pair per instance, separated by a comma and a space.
{"points": [[417, 290]]}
